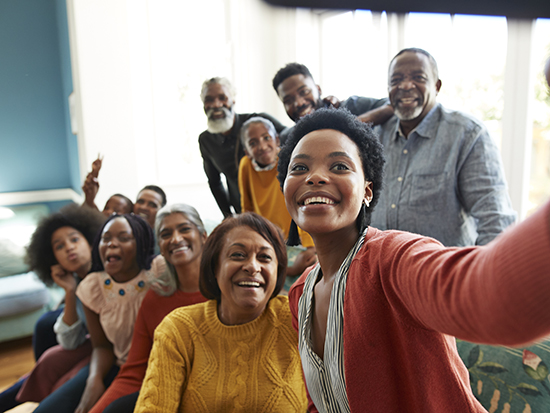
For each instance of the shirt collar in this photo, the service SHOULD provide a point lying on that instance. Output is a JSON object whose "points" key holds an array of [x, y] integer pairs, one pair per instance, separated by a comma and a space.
{"points": [[258, 168]]}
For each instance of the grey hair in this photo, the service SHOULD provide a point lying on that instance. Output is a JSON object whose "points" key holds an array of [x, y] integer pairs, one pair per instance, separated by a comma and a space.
{"points": [[431, 60], [219, 80], [257, 119], [166, 284]]}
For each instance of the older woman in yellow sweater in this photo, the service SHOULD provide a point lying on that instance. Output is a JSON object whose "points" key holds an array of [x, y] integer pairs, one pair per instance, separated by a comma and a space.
{"points": [[237, 351]]}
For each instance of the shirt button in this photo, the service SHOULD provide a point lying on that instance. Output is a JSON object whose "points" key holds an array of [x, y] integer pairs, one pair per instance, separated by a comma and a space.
{"points": [[405, 151], [393, 206], [399, 179]]}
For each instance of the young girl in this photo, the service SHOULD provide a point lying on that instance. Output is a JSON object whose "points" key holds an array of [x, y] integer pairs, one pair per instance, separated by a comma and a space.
{"points": [[181, 236], [377, 315], [111, 295], [60, 253]]}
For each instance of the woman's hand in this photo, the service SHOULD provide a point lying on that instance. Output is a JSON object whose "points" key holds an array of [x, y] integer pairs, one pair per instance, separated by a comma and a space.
{"points": [[93, 391], [63, 278]]}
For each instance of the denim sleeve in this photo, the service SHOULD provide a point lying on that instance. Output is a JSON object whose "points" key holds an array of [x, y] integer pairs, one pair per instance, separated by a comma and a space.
{"points": [[359, 105], [483, 190]]}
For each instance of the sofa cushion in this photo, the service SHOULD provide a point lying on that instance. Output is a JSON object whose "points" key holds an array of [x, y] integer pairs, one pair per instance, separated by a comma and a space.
{"points": [[21, 293], [509, 379], [12, 258]]}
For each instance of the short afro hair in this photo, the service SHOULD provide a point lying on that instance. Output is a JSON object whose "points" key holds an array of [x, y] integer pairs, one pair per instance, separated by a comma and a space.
{"points": [[290, 69], [369, 147], [156, 189], [214, 244], [433, 63], [40, 256], [145, 242]]}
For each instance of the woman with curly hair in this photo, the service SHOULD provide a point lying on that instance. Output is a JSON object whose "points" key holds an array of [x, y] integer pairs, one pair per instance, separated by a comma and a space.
{"points": [[59, 253]]}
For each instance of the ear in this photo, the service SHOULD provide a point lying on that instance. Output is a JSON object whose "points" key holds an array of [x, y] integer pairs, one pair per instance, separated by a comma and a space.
{"points": [[319, 89], [368, 190], [277, 140], [247, 154], [438, 85], [203, 237]]}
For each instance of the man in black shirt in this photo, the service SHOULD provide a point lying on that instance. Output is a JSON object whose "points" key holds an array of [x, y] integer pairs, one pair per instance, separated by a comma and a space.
{"points": [[220, 144]]}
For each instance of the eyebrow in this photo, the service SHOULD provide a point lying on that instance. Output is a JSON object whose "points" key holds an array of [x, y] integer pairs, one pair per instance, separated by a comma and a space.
{"points": [[238, 244], [330, 155]]}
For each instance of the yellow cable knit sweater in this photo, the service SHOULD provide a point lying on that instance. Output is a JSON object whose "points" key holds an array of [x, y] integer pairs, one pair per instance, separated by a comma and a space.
{"points": [[198, 364]]}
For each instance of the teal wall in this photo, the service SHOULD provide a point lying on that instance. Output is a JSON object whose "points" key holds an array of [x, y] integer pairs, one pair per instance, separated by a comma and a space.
{"points": [[37, 149]]}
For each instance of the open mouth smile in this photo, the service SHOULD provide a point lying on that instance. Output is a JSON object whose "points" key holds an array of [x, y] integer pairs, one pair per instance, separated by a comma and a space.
{"points": [[318, 200], [253, 284], [179, 249], [112, 258]]}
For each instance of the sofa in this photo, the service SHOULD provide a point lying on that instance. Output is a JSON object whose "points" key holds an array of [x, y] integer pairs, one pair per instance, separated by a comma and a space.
{"points": [[23, 297]]}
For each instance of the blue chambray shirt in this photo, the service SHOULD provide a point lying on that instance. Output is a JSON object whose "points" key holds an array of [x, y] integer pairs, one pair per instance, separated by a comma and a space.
{"points": [[445, 181]]}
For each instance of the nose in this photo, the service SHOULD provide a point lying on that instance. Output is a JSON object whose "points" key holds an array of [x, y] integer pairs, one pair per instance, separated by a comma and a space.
{"points": [[217, 103], [316, 178], [251, 266], [406, 84], [176, 237], [299, 101]]}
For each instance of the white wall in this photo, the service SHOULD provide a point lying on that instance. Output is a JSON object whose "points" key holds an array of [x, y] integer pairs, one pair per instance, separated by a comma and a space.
{"points": [[138, 67]]}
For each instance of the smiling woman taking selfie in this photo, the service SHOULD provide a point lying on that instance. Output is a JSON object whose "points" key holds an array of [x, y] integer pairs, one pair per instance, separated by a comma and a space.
{"points": [[238, 350], [377, 315]]}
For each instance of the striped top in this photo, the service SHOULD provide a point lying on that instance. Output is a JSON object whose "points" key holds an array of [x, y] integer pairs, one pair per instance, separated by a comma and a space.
{"points": [[325, 379]]}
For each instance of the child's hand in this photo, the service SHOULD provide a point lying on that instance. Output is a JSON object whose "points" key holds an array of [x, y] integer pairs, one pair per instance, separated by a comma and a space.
{"points": [[90, 189], [63, 278], [96, 166]]}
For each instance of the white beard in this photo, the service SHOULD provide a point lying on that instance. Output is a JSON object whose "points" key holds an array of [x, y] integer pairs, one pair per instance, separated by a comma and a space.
{"points": [[408, 114], [220, 125]]}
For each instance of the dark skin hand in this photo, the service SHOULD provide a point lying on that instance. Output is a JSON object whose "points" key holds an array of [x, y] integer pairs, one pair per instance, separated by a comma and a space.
{"points": [[91, 183], [332, 101], [66, 281]]}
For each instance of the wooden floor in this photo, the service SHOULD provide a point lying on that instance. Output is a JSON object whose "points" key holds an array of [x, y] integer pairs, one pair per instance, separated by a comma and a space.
{"points": [[16, 359]]}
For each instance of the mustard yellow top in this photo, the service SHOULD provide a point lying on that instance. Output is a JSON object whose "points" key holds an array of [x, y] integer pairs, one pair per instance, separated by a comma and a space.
{"points": [[261, 193], [198, 364]]}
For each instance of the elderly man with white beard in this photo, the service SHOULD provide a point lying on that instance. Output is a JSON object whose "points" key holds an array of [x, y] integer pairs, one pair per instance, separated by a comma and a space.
{"points": [[220, 144], [443, 175]]}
